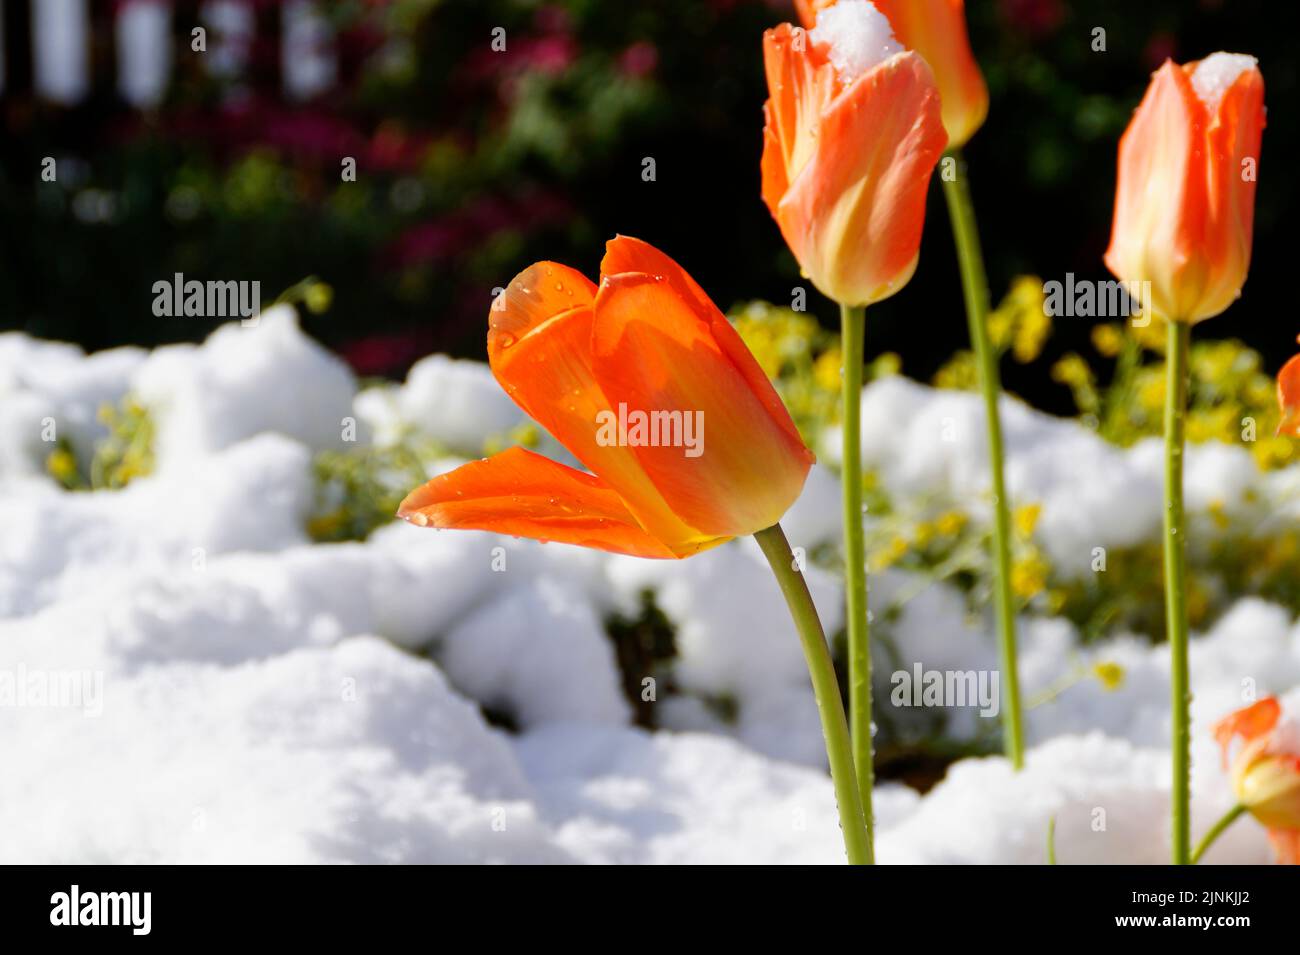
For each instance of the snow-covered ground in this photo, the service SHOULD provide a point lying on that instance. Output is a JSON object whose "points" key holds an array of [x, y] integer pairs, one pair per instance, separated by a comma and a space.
{"points": [[192, 680]]}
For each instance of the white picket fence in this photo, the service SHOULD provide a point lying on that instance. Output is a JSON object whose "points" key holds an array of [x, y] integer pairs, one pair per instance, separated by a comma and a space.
{"points": [[146, 44]]}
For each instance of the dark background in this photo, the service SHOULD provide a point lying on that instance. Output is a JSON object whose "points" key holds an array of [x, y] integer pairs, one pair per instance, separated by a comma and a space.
{"points": [[473, 164]]}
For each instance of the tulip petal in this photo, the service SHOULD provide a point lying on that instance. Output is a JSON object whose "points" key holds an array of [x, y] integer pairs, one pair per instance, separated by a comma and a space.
{"points": [[936, 29], [1160, 196], [524, 494], [1250, 723], [1234, 137], [542, 358], [661, 347], [541, 292], [802, 84], [853, 215], [1288, 396], [1286, 845], [626, 254]]}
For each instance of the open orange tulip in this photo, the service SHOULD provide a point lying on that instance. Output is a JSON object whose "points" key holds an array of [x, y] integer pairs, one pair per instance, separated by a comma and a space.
{"points": [[1185, 200], [1288, 396], [936, 29], [1266, 772], [631, 377], [852, 134]]}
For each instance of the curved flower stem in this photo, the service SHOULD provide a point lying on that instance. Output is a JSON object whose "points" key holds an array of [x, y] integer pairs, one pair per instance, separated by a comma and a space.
{"points": [[1216, 830], [1175, 545], [826, 688], [976, 292], [852, 332]]}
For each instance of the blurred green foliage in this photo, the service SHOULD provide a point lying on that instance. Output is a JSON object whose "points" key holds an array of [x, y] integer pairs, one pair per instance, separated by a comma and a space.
{"points": [[473, 163]]}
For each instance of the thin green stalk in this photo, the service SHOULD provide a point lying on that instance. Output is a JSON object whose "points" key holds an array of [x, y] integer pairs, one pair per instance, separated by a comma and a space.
{"points": [[976, 292], [826, 689], [1216, 830], [852, 332], [1175, 543]]}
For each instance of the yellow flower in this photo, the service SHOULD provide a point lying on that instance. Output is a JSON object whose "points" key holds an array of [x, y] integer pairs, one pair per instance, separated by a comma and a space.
{"points": [[958, 373], [1110, 674], [1030, 335], [1107, 339], [62, 466], [1026, 519], [827, 369], [893, 552], [886, 365], [1150, 336], [318, 297], [1000, 325], [1219, 514], [1273, 452], [1151, 393], [1029, 577], [1020, 322], [1071, 370], [950, 523]]}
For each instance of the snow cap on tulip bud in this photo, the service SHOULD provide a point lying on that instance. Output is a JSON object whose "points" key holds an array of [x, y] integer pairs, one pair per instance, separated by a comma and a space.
{"points": [[852, 134], [936, 29], [1185, 196]]}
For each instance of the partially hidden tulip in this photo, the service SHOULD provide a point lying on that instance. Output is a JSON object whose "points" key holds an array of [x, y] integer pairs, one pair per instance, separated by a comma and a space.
{"points": [[646, 383], [1266, 770], [1185, 199], [1288, 397], [936, 29], [853, 132]]}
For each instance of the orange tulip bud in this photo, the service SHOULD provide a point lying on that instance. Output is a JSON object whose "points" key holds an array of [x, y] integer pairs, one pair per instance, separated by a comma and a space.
{"points": [[1185, 200], [649, 386], [1288, 396], [937, 30], [852, 133], [1266, 772]]}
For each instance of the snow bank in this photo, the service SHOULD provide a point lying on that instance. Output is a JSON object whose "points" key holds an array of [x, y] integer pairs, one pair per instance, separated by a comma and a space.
{"points": [[456, 403], [250, 696], [930, 446], [51, 383], [354, 754], [55, 545], [242, 381]]}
